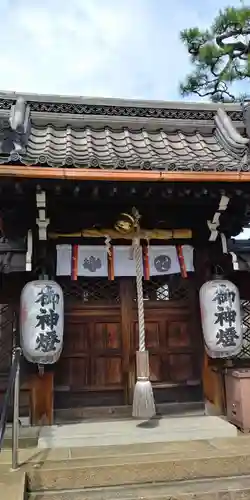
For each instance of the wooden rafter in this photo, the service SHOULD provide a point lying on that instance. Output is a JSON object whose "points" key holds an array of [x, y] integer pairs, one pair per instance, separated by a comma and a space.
{"points": [[144, 234]]}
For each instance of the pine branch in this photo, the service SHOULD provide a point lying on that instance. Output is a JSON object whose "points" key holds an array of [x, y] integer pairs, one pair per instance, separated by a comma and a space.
{"points": [[219, 55]]}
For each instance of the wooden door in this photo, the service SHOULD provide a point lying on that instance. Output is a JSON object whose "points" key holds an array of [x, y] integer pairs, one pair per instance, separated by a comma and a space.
{"points": [[173, 339], [90, 371], [97, 366]]}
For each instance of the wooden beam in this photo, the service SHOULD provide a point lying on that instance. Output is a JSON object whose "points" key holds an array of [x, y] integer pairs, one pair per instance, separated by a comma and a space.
{"points": [[156, 234], [36, 172]]}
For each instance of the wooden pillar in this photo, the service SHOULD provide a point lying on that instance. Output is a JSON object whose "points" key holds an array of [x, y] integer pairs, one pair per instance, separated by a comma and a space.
{"points": [[42, 398], [212, 372], [126, 297], [213, 387], [196, 331]]}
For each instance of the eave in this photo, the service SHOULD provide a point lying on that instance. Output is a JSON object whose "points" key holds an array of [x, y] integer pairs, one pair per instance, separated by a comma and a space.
{"points": [[73, 205], [82, 174]]}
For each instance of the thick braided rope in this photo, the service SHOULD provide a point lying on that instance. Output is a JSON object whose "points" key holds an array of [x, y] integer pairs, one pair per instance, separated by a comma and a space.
{"points": [[140, 303]]}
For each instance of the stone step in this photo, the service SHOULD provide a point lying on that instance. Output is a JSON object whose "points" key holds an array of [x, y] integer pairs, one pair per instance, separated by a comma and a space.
{"points": [[28, 437], [233, 488], [70, 415], [126, 431], [36, 456], [24, 442], [92, 470], [124, 469], [13, 485]]}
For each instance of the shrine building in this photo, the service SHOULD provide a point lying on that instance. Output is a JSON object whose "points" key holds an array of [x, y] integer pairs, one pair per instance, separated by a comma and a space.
{"points": [[78, 178]]}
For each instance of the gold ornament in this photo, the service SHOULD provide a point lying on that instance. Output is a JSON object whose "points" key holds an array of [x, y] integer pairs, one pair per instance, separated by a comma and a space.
{"points": [[125, 224]]}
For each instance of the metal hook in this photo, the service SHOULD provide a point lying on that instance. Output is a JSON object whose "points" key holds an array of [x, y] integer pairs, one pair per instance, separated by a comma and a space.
{"points": [[40, 370]]}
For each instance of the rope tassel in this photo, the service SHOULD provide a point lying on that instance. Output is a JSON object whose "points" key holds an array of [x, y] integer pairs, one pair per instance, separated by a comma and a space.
{"points": [[143, 403]]}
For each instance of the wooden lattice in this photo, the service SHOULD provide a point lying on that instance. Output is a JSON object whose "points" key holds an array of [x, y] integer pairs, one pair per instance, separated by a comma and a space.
{"points": [[165, 288], [245, 311], [92, 290], [102, 290]]}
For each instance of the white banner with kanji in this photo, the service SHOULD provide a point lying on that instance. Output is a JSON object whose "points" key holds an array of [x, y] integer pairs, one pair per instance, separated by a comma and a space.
{"points": [[124, 263], [164, 260]]}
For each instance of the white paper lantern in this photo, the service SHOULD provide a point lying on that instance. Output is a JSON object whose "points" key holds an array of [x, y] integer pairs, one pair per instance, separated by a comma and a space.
{"points": [[221, 318], [41, 321]]}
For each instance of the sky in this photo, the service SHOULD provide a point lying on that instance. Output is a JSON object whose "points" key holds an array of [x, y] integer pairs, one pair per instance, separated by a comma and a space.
{"points": [[99, 48], [107, 48]]}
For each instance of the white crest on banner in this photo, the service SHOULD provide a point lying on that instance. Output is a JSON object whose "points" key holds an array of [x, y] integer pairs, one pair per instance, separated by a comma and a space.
{"points": [[164, 260], [92, 261], [63, 261], [124, 262], [42, 321]]}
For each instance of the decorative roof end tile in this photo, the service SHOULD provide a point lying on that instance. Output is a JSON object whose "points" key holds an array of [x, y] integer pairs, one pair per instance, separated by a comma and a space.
{"points": [[228, 136], [15, 133], [246, 117]]}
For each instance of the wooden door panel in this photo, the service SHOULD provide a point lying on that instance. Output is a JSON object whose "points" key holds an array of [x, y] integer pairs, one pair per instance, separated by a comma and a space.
{"points": [[180, 368], [62, 373], [114, 371], [169, 340], [76, 338], [106, 372], [163, 336], [113, 338], [155, 368], [78, 373], [174, 368], [105, 336], [98, 337], [92, 354], [178, 334], [152, 335], [71, 372]]}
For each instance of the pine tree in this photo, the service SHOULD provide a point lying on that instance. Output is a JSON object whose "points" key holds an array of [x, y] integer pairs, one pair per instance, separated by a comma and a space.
{"points": [[220, 55]]}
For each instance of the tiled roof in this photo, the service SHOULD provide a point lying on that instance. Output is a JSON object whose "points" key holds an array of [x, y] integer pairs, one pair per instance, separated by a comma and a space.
{"points": [[127, 149], [60, 106], [39, 136]]}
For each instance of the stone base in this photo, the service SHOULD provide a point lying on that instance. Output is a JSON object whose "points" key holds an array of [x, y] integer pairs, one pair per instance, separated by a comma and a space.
{"points": [[119, 466], [211, 410], [215, 469], [124, 432], [217, 489], [74, 415]]}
